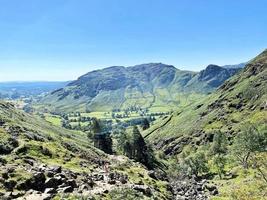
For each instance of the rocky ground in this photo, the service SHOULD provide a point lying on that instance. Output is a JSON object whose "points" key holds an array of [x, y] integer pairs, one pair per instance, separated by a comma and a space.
{"points": [[45, 182], [48, 181], [192, 189]]}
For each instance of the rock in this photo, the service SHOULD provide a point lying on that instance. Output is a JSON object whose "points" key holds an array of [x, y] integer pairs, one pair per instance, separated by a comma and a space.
{"points": [[50, 174], [42, 168], [3, 161], [37, 181], [215, 192], [29, 161], [10, 185], [38, 197], [158, 175], [67, 189], [61, 175], [7, 196], [98, 177], [5, 175], [112, 182], [84, 187], [211, 187], [144, 189], [50, 191], [52, 183], [72, 183], [2, 180], [106, 192], [17, 194], [152, 174], [57, 169]]}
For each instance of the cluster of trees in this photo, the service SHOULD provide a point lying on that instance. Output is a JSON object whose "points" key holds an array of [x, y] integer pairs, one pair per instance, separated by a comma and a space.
{"points": [[247, 149], [82, 123], [133, 145], [126, 113], [130, 144]]}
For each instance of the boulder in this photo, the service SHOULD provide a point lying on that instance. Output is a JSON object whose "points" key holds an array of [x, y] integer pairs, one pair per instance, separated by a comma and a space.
{"points": [[56, 169], [50, 191], [67, 189], [10, 185], [37, 181], [52, 183], [72, 183], [112, 182], [144, 189]]}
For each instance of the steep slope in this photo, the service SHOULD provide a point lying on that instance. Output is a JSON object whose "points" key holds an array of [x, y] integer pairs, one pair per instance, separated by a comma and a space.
{"points": [[240, 100], [148, 85], [41, 161]]}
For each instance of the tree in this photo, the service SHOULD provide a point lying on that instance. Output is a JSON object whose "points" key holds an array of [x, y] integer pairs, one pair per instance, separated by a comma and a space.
{"points": [[103, 141], [218, 151], [146, 124], [196, 163], [219, 145], [138, 145], [95, 126], [247, 143]]}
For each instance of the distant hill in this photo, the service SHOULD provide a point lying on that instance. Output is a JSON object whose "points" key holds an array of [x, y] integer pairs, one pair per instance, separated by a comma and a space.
{"points": [[155, 85], [16, 90]]}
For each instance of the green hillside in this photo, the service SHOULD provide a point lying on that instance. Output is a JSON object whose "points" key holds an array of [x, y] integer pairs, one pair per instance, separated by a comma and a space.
{"points": [[239, 100], [155, 85], [41, 161], [238, 107]]}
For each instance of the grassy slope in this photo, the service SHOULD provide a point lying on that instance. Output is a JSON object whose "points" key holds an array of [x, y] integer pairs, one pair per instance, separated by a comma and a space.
{"points": [[53, 137], [241, 100], [67, 148]]}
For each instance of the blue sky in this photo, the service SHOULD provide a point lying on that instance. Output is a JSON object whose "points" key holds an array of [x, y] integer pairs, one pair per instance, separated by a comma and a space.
{"points": [[63, 39]]}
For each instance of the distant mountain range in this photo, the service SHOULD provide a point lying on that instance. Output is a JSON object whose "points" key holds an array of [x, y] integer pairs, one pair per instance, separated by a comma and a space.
{"points": [[155, 85], [18, 89], [241, 65]]}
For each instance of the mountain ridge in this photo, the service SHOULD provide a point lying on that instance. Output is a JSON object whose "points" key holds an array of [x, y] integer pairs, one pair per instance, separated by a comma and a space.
{"points": [[151, 84]]}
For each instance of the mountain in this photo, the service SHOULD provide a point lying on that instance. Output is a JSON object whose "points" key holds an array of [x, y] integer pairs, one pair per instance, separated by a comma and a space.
{"points": [[153, 85], [41, 161], [16, 90], [236, 111], [240, 65], [240, 100]]}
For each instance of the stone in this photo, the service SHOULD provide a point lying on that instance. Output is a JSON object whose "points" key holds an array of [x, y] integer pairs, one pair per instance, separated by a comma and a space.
{"points": [[57, 169], [17, 194], [5, 175], [67, 189], [72, 183], [83, 187], [211, 187], [52, 183], [144, 189], [10, 185], [50, 174], [50, 191], [112, 182]]}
